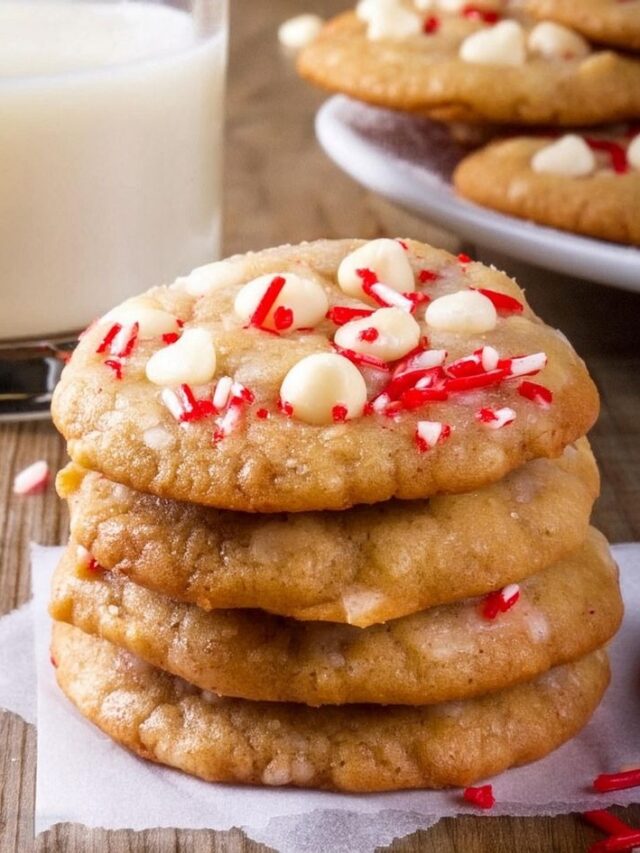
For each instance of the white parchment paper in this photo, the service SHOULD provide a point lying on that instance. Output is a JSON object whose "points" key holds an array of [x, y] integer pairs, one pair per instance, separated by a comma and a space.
{"points": [[84, 778]]}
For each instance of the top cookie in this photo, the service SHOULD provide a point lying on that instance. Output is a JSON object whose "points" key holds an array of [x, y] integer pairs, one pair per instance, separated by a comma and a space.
{"points": [[277, 381], [615, 22], [471, 65]]}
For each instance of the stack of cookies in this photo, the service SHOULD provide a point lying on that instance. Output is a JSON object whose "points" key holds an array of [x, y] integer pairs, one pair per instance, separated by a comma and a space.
{"points": [[330, 523], [562, 69]]}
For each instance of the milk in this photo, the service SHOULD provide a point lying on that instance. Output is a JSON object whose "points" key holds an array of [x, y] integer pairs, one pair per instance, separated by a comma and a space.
{"points": [[111, 122]]}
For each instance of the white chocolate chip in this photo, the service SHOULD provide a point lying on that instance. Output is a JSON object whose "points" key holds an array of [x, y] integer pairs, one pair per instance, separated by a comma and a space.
{"points": [[318, 383], [113, 610], [388, 20], [302, 296], [83, 557], [633, 152], [151, 319], [396, 333], [191, 359], [300, 31], [502, 44], [569, 156], [386, 259], [277, 772], [553, 41], [212, 277], [466, 311]]}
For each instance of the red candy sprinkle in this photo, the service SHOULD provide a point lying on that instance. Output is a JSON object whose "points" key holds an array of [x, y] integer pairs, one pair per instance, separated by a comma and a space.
{"points": [[127, 349], [108, 338], [617, 843], [481, 797], [263, 414], [537, 393], [607, 822], [170, 337], [283, 318], [503, 303], [617, 781], [368, 277], [370, 335], [480, 380], [414, 398], [193, 409], [94, 566], [431, 25], [485, 15], [616, 152], [115, 365], [500, 601], [267, 302], [426, 276], [340, 314], [285, 408], [464, 259], [361, 359], [339, 414]]}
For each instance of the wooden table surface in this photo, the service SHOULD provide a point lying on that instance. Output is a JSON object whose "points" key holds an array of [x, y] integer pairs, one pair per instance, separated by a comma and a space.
{"points": [[281, 188]]}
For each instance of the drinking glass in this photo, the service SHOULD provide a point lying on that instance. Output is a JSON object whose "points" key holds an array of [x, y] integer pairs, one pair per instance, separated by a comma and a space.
{"points": [[111, 135]]}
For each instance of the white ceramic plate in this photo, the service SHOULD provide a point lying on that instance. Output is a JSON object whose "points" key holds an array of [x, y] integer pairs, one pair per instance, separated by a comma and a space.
{"points": [[410, 160]]}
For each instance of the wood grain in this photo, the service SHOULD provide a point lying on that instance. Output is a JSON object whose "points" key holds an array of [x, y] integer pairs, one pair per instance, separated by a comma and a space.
{"points": [[281, 188]]}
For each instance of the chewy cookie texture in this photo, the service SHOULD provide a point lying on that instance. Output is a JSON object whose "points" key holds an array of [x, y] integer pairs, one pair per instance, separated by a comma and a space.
{"points": [[323, 412], [330, 523]]}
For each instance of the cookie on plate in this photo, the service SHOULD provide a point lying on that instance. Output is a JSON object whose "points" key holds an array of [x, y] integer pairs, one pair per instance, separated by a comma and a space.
{"points": [[450, 652], [585, 184], [320, 376], [361, 566], [614, 22], [354, 748], [471, 65]]}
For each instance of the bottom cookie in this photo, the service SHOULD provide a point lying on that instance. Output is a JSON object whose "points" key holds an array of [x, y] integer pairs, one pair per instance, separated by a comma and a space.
{"points": [[359, 748]]}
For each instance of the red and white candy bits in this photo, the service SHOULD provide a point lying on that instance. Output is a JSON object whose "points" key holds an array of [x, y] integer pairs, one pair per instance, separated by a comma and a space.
{"points": [[32, 480]]}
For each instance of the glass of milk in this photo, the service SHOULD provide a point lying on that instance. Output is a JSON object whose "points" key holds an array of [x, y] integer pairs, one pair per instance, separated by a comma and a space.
{"points": [[111, 124]]}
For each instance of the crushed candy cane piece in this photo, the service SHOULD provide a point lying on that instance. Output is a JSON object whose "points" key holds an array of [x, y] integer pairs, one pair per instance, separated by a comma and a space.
{"points": [[537, 393], [263, 414], [170, 337], [607, 822], [115, 365], [339, 414], [108, 339], [387, 297], [124, 342], [481, 796], [504, 304], [617, 781], [370, 334], [496, 418], [430, 433], [478, 380], [524, 365], [476, 13], [616, 152], [431, 25], [617, 843], [427, 276], [500, 601], [222, 392], [361, 359], [32, 480], [341, 314]]}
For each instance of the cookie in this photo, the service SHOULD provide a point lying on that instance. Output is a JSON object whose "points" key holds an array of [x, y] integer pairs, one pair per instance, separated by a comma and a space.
{"points": [[361, 566], [587, 185], [614, 22], [451, 652], [456, 67], [355, 748], [320, 376]]}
